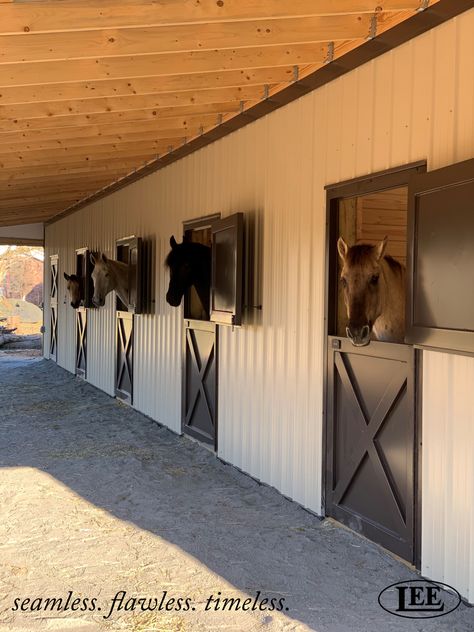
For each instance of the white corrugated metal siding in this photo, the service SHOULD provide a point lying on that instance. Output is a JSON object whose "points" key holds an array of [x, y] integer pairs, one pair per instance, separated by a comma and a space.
{"points": [[416, 102], [448, 470]]}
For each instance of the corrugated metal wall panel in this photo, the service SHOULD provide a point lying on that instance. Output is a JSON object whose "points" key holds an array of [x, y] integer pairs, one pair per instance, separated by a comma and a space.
{"points": [[448, 470], [413, 103]]}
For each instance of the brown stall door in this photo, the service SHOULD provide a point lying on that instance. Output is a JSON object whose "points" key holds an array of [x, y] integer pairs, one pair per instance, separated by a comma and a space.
{"points": [[371, 441], [200, 381], [124, 367]]}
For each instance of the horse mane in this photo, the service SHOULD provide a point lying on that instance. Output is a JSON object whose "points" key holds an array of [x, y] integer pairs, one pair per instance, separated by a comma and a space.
{"points": [[393, 263]]}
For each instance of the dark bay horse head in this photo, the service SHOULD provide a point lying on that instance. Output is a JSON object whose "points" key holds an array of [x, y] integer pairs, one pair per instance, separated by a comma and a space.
{"points": [[363, 287], [75, 289], [189, 264]]}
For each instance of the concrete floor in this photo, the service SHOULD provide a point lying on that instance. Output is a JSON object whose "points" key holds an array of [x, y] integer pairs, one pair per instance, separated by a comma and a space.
{"points": [[97, 499]]}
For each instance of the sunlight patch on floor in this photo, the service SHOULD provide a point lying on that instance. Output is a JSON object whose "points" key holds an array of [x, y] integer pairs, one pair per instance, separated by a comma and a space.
{"points": [[53, 541]]}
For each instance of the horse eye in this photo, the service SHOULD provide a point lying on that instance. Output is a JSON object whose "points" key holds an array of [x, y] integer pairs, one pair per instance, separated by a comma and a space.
{"points": [[344, 281], [374, 279]]}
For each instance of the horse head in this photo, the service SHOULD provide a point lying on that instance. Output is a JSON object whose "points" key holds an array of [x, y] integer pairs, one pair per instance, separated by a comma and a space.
{"points": [[102, 278], [189, 264], [360, 278], [74, 287]]}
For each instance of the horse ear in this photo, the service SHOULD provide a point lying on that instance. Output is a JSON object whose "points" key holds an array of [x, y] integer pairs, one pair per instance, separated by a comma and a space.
{"points": [[342, 248], [186, 238], [104, 258], [92, 258], [67, 277], [380, 248], [173, 243]]}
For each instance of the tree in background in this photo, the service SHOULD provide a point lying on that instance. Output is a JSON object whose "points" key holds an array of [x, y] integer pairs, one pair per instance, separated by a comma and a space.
{"points": [[21, 270]]}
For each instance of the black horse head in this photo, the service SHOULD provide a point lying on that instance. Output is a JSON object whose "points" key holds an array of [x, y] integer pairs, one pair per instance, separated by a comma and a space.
{"points": [[189, 264]]}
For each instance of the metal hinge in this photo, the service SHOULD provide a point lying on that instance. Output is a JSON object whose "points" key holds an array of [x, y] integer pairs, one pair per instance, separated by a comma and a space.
{"points": [[372, 27], [330, 54]]}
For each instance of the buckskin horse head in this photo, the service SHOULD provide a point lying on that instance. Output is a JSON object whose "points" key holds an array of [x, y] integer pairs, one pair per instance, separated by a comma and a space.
{"points": [[374, 293]]}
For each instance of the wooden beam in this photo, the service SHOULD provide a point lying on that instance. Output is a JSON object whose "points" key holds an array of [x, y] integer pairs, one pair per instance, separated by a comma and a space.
{"points": [[99, 105], [50, 16], [118, 117], [145, 85], [19, 214], [181, 38], [162, 127], [89, 152], [20, 241], [127, 67], [16, 190], [32, 181], [45, 171], [47, 198], [61, 159], [25, 219], [91, 134], [169, 136]]}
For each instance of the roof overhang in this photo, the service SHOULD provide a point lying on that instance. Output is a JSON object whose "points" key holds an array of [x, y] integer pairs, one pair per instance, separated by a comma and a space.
{"points": [[94, 95]]}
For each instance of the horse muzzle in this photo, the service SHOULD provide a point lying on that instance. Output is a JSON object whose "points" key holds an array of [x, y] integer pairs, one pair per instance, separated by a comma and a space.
{"points": [[174, 301], [98, 302], [359, 336]]}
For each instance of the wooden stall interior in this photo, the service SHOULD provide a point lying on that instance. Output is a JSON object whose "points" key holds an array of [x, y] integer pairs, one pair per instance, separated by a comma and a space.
{"points": [[367, 219], [200, 233]]}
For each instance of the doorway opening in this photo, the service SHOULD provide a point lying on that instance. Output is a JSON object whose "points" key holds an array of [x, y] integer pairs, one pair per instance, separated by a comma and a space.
{"points": [[198, 231], [372, 440], [21, 298], [199, 417]]}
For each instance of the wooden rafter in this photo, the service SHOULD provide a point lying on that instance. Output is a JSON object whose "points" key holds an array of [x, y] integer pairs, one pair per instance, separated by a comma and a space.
{"points": [[90, 91], [78, 90], [49, 16]]}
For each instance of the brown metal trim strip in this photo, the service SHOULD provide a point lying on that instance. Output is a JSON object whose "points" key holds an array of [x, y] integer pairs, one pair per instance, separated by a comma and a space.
{"points": [[420, 23]]}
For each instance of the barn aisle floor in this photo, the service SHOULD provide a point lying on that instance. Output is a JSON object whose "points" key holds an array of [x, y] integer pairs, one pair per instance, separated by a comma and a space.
{"points": [[97, 499]]}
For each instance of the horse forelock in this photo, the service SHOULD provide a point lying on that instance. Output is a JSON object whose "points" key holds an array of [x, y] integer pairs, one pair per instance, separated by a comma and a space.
{"points": [[360, 254]]}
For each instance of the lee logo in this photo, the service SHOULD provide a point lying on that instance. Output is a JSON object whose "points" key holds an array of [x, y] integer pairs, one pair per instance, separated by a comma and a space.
{"points": [[419, 599]]}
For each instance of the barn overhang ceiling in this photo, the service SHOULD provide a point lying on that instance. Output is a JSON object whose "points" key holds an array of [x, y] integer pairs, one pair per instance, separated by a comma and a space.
{"points": [[91, 91]]}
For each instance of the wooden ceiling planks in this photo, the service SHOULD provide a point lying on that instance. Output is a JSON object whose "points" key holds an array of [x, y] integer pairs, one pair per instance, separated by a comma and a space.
{"points": [[111, 85], [34, 17]]}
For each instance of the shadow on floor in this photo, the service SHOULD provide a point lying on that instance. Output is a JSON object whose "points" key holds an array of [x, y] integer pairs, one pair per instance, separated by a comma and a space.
{"points": [[246, 533]]}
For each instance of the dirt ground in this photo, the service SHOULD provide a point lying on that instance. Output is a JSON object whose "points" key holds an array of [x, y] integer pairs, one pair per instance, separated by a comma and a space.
{"points": [[97, 499]]}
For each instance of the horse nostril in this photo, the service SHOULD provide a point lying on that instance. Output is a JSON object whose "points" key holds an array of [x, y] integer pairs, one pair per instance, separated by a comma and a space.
{"points": [[365, 331], [349, 333]]}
